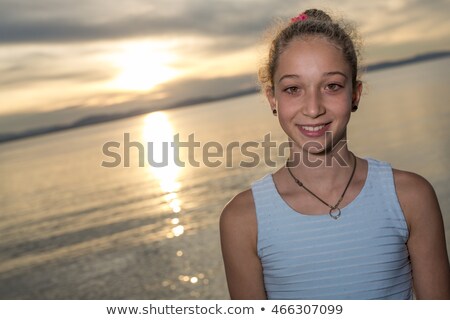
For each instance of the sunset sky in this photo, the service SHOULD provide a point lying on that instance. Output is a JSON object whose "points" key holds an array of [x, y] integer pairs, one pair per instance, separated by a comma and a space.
{"points": [[61, 60]]}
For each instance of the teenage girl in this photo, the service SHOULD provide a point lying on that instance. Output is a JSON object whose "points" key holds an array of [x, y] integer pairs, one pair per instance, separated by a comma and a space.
{"points": [[329, 225]]}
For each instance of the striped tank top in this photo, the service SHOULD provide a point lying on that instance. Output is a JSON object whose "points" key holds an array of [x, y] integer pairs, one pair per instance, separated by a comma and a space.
{"points": [[361, 255]]}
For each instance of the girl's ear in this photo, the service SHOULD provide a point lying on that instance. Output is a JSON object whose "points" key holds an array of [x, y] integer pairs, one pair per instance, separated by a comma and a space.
{"points": [[357, 93], [271, 99]]}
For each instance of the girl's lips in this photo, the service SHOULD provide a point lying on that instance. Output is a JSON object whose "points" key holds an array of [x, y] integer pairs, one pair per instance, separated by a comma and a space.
{"points": [[314, 131]]}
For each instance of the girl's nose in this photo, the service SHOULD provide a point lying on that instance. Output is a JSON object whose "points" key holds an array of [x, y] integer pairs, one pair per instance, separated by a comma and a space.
{"points": [[312, 106]]}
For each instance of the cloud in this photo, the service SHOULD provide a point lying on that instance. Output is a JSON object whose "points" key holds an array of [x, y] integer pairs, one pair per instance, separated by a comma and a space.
{"points": [[86, 76], [198, 87], [420, 17], [232, 24], [70, 21], [54, 42], [35, 66], [228, 24]]}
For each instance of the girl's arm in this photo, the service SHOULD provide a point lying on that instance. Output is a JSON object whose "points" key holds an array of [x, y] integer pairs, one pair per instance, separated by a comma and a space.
{"points": [[426, 243], [238, 233]]}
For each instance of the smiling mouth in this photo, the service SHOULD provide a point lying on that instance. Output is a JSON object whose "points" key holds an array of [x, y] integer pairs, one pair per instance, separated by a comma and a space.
{"points": [[313, 128], [314, 131]]}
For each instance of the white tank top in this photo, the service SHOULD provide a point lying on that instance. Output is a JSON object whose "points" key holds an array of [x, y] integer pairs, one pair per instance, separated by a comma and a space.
{"points": [[361, 255]]}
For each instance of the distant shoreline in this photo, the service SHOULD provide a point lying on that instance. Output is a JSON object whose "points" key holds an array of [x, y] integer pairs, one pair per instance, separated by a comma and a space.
{"points": [[96, 119]]}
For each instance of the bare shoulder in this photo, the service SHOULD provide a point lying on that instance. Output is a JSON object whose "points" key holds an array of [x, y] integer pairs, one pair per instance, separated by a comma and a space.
{"points": [[416, 196], [411, 181], [240, 211], [413, 188], [238, 237], [426, 242]]}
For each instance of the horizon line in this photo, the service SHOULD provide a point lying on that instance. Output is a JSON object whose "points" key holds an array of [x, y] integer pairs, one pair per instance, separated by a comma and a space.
{"points": [[102, 118]]}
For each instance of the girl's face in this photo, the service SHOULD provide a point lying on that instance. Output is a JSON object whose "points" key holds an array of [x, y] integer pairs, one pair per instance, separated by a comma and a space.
{"points": [[313, 94]]}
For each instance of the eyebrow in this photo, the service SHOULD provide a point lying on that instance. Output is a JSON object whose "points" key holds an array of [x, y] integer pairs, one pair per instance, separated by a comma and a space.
{"points": [[326, 74], [286, 76], [332, 73]]}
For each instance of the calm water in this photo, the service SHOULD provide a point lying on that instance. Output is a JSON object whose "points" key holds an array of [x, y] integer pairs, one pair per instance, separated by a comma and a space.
{"points": [[72, 229]]}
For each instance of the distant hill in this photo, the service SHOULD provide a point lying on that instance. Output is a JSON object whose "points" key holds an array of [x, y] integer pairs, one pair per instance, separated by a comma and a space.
{"points": [[91, 120], [416, 59]]}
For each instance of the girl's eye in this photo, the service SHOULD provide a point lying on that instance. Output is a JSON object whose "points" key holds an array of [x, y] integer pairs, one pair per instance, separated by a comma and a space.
{"points": [[333, 87], [292, 90]]}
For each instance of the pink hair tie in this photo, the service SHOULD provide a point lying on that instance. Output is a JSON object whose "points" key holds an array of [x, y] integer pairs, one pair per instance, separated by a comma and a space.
{"points": [[300, 17]]}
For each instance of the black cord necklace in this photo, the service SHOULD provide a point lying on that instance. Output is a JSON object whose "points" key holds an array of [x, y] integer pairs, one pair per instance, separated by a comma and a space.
{"points": [[336, 206]]}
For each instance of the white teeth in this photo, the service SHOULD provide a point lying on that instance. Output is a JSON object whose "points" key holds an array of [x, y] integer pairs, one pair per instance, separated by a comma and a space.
{"points": [[317, 128]]}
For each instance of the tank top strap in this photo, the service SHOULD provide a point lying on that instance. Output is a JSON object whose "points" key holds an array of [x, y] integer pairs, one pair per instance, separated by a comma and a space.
{"points": [[265, 197], [381, 189], [263, 193]]}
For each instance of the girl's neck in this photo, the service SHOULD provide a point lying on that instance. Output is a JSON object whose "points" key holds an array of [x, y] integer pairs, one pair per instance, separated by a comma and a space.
{"points": [[324, 168]]}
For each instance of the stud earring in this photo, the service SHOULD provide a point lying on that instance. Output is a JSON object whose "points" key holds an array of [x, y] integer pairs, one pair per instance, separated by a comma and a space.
{"points": [[354, 108], [274, 111]]}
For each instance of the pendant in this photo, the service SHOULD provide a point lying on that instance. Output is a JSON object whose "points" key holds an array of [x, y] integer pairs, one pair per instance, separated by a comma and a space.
{"points": [[336, 215]]}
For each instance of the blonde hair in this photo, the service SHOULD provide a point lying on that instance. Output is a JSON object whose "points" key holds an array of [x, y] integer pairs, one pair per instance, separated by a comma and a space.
{"points": [[312, 22]]}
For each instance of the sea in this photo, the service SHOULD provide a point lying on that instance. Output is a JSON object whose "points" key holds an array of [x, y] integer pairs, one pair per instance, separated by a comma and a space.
{"points": [[129, 209]]}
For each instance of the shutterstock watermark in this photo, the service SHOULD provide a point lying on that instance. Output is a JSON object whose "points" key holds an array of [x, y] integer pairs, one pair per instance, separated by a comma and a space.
{"points": [[213, 154]]}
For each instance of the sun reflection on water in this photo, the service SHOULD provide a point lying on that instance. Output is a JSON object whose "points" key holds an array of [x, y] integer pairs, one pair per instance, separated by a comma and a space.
{"points": [[178, 230], [158, 130], [158, 134], [193, 279]]}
